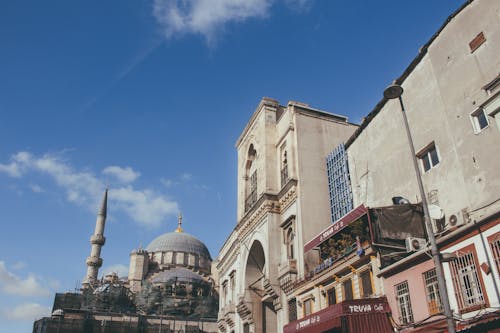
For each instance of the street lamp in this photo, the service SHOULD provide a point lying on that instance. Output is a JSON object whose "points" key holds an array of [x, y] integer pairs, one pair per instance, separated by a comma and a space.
{"points": [[392, 92]]}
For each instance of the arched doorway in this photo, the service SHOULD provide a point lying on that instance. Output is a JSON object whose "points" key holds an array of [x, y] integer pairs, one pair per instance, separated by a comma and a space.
{"points": [[263, 313]]}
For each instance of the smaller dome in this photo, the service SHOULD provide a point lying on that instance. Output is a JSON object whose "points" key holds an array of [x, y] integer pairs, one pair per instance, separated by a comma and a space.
{"points": [[176, 274]]}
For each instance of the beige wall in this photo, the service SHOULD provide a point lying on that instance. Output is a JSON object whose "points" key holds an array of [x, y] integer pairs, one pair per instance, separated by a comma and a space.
{"points": [[439, 95]]}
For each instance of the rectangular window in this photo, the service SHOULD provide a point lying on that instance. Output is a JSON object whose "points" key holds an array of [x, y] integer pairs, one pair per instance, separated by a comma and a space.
{"points": [[466, 280], [429, 157], [308, 306], [252, 193], [431, 287], [339, 183], [292, 310], [495, 249], [347, 286], [479, 120], [404, 303], [332, 296], [366, 283]]}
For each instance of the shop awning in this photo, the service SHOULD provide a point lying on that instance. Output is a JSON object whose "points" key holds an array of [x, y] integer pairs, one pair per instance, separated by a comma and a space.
{"points": [[340, 224], [356, 316]]}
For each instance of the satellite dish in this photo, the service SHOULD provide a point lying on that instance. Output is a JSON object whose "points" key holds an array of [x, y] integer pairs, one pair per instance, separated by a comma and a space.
{"points": [[436, 212]]}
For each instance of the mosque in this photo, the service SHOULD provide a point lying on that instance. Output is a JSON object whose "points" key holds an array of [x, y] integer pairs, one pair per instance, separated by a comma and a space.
{"points": [[169, 288]]}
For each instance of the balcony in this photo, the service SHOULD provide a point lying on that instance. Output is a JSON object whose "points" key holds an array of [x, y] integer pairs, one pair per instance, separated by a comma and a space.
{"points": [[287, 267]]}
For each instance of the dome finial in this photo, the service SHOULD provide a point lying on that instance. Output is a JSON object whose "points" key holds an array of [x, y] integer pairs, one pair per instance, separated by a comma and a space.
{"points": [[179, 223]]}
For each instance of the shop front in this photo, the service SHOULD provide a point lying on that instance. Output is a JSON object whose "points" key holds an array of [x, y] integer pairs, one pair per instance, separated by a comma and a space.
{"points": [[354, 316]]}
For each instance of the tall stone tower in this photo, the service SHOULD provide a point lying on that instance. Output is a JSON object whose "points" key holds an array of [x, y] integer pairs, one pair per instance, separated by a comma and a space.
{"points": [[94, 261]]}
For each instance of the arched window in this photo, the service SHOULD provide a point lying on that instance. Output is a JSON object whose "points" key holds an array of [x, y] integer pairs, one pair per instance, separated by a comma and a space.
{"points": [[250, 179], [289, 242]]}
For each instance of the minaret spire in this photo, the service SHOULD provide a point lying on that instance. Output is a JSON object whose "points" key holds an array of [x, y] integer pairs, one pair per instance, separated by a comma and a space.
{"points": [[97, 240], [179, 223]]}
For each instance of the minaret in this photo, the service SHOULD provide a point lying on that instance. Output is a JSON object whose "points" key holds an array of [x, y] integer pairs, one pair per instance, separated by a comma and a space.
{"points": [[94, 261]]}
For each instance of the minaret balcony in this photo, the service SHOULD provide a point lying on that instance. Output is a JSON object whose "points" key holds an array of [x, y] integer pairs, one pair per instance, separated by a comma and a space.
{"points": [[97, 239], [94, 261]]}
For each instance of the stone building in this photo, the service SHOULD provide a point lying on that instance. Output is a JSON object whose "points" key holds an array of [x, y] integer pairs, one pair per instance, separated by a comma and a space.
{"points": [[282, 202], [452, 101]]}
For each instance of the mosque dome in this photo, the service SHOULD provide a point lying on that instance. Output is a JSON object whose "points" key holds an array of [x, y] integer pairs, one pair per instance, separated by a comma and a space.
{"points": [[178, 241]]}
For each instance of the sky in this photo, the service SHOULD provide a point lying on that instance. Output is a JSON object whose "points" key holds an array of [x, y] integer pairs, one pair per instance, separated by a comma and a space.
{"points": [[148, 98]]}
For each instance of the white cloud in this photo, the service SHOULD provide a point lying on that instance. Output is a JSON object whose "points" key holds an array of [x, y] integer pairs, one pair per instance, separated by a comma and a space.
{"points": [[19, 265], [124, 175], [84, 188], [36, 188], [26, 312], [12, 284], [145, 206], [205, 17], [119, 269]]}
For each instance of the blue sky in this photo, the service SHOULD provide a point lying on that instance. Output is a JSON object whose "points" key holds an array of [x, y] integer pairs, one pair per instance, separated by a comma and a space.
{"points": [[149, 98]]}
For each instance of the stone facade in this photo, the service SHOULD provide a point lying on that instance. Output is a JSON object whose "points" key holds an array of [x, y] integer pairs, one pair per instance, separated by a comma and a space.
{"points": [[282, 201]]}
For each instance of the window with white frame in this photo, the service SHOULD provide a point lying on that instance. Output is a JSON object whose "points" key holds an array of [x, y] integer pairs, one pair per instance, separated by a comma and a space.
{"points": [[432, 290], [429, 157], [479, 120], [404, 303], [466, 280]]}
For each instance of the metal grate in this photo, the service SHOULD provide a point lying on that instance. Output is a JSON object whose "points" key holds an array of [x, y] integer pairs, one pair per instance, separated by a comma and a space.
{"points": [[495, 248], [252, 196], [431, 287], [403, 298], [339, 184], [466, 280], [292, 310]]}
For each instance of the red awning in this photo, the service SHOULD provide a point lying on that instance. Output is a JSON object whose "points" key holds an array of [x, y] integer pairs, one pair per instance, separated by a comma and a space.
{"points": [[338, 225], [361, 315]]}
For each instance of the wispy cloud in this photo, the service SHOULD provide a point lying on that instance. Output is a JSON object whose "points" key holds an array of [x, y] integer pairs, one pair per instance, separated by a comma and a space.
{"points": [[26, 312], [84, 188], [15, 285], [205, 17], [208, 17], [123, 175], [119, 269]]}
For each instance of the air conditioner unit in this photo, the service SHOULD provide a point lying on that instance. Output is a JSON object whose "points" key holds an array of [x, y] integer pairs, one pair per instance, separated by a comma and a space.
{"points": [[415, 244], [458, 218]]}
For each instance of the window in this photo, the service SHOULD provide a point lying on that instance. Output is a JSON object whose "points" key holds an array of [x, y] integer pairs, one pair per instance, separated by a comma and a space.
{"points": [[479, 120], [339, 184], [224, 293], [289, 242], [467, 281], [308, 306], [429, 157], [404, 304], [366, 283], [232, 284], [331, 296], [432, 290], [250, 179], [495, 249], [284, 165], [347, 286], [292, 310]]}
